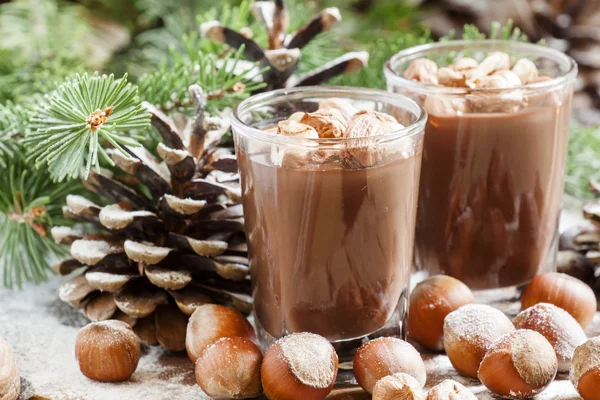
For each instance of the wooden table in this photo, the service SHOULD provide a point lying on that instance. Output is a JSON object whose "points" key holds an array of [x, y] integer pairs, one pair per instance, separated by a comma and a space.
{"points": [[41, 331]]}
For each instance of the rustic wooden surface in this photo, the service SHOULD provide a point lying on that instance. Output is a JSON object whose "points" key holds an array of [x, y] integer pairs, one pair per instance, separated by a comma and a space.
{"points": [[42, 330]]}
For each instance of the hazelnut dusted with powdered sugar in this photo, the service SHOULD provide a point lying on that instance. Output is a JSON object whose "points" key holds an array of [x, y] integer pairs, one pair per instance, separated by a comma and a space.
{"points": [[301, 366], [469, 332], [558, 326], [385, 356], [519, 365], [585, 371]]}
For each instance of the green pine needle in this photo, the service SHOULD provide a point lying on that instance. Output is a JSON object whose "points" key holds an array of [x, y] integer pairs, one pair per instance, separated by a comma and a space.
{"points": [[380, 50], [69, 127], [226, 81], [29, 203], [497, 31], [583, 161], [14, 120]]}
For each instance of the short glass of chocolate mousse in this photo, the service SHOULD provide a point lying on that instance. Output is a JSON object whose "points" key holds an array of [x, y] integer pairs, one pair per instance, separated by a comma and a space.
{"points": [[494, 157], [329, 183]]}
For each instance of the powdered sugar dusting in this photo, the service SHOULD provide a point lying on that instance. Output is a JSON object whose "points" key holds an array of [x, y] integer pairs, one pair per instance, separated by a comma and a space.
{"points": [[310, 358], [558, 326]]}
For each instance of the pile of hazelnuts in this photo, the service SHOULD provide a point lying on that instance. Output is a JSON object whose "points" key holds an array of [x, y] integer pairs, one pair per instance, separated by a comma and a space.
{"points": [[514, 359]]}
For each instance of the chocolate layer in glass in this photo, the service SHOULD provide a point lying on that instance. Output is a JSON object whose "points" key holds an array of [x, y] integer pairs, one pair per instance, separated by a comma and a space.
{"points": [[493, 165], [330, 241]]}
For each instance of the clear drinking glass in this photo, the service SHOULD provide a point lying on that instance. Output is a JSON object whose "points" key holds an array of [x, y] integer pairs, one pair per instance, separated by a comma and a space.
{"points": [[493, 168], [330, 244]]}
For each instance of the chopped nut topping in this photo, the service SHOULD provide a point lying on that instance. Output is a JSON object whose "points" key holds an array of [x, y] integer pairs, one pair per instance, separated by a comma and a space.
{"points": [[463, 64], [422, 70], [297, 116], [451, 77], [493, 72], [337, 118], [342, 105], [526, 70], [445, 105], [328, 122], [292, 128], [512, 79], [363, 126], [494, 62]]}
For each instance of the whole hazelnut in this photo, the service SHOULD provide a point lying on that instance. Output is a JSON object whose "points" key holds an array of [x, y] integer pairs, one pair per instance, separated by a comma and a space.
{"points": [[519, 365], [450, 390], [211, 322], [430, 302], [398, 387], [585, 371], [299, 366], [230, 369], [107, 351], [386, 356], [469, 332], [558, 327], [10, 380], [564, 291]]}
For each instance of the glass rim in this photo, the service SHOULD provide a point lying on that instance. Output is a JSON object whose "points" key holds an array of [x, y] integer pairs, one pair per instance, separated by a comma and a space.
{"points": [[395, 78], [344, 92]]}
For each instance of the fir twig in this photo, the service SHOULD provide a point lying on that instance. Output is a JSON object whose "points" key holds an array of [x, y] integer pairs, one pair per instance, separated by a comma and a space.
{"points": [[226, 81], [380, 50], [69, 128], [29, 204], [497, 31], [14, 120], [583, 162]]}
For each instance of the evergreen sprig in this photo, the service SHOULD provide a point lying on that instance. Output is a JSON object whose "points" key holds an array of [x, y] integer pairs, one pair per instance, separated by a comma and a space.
{"points": [[583, 161], [29, 203], [380, 50], [70, 127], [226, 81], [14, 120], [498, 31]]}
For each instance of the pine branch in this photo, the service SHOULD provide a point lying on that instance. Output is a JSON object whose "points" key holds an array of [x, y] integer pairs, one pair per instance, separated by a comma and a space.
{"points": [[583, 162], [29, 204], [70, 127], [24, 84], [226, 81], [497, 31], [380, 50], [14, 120]]}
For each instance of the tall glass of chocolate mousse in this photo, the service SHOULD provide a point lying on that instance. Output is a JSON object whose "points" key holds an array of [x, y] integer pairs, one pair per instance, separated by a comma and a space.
{"points": [[329, 182], [494, 157]]}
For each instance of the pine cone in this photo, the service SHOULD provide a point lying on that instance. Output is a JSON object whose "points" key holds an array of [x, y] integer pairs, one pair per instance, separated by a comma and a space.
{"points": [[569, 26], [284, 50], [171, 237]]}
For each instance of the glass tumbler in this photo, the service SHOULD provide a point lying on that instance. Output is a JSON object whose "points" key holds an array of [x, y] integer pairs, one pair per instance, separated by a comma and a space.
{"points": [[330, 244], [493, 168]]}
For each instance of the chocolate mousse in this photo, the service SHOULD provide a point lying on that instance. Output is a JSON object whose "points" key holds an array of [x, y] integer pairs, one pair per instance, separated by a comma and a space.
{"points": [[330, 230]]}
